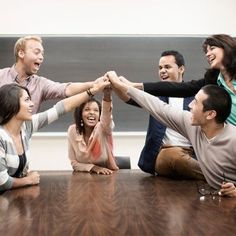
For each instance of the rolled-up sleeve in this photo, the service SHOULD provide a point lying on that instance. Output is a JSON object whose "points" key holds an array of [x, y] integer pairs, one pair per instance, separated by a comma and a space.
{"points": [[53, 90]]}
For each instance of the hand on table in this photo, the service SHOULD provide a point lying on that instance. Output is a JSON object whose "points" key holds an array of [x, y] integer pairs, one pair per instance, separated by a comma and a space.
{"points": [[101, 170]]}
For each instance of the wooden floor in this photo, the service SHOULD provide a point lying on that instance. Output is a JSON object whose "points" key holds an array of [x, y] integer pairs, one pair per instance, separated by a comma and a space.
{"points": [[128, 202]]}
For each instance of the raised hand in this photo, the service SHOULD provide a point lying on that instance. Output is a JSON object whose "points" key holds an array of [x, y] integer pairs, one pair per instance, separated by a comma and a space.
{"points": [[119, 87], [114, 79], [124, 80], [100, 84]]}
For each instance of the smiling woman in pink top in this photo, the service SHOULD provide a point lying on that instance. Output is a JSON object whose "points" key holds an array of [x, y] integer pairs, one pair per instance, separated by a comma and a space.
{"points": [[90, 138]]}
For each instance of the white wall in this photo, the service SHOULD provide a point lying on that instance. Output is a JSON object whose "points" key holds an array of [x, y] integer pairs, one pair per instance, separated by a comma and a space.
{"points": [[49, 150], [159, 17], [182, 17]]}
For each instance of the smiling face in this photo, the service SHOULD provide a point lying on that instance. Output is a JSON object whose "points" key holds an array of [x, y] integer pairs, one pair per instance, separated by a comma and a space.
{"points": [[199, 117], [32, 56], [90, 114], [215, 56], [26, 107], [169, 70]]}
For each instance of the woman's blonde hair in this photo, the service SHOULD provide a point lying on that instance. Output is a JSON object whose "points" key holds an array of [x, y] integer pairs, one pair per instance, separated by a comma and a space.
{"points": [[21, 42]]}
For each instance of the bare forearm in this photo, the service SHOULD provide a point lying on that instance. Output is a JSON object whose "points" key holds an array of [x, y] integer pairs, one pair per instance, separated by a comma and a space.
{"points": [[72, 102], [107, 95], [75, 88], [20, 182], [119, 87], [31, 179], [121, 94], [77, 166], [138, 85]]}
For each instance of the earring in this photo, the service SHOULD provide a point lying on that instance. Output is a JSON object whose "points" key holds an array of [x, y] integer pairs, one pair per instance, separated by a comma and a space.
{"points": [[81, 123]]}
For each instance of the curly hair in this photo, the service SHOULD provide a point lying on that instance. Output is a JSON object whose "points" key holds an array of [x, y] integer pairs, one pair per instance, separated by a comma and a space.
{"points": [[78, 115]]}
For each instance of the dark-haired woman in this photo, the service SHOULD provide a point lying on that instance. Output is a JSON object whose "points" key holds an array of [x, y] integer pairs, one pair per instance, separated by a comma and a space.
{"points": [[17, 125], [90, 138]]}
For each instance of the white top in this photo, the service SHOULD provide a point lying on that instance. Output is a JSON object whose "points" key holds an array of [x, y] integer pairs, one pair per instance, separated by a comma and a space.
{"points": [[172, 137]]}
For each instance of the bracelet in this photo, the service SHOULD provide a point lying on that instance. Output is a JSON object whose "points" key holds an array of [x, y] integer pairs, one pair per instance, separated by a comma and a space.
{"points": [[89, 93]]}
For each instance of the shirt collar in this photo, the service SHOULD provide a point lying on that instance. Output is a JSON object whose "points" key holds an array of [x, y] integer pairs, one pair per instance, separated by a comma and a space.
{"points": [[220, 80], [14, 75], [79, 137]]}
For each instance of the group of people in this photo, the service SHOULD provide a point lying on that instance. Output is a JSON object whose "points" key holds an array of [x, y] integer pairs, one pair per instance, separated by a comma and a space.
{"points": [[191, 132]]}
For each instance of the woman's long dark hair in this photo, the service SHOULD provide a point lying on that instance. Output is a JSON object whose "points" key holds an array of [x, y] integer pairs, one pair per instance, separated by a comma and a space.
{"points": [[78, 115], [228, 44], [10, 101]]}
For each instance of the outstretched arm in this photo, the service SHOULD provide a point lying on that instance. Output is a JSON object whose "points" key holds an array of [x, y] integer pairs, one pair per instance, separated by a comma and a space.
{"points": [[68, 104], [122, 95], [119, 87], [169, 89], [174, 89], [106, 119], [107, 94], [170, 116], [72, 102], [162, 88], [75, 88]]}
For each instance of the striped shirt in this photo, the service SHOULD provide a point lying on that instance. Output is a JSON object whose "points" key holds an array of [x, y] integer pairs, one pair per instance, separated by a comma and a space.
{"points": [[9, 159]]}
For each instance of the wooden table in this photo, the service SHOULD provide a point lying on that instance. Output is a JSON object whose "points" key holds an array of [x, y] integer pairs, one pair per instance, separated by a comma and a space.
{"points": [[128, 202]]}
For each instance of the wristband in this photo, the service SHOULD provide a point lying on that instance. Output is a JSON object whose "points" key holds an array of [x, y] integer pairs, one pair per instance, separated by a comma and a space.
{"points": [[89, 93]]}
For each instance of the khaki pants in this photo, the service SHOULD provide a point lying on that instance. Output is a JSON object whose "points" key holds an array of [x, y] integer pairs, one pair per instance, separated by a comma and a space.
{"points": [[178, 162]]}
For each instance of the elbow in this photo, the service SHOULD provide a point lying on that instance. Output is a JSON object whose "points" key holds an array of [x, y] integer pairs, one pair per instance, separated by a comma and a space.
{"points": [[6, 186], [67, 91]]}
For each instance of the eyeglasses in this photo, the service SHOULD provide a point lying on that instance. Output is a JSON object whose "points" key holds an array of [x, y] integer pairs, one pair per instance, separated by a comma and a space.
{"points": [[204, 189]]}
